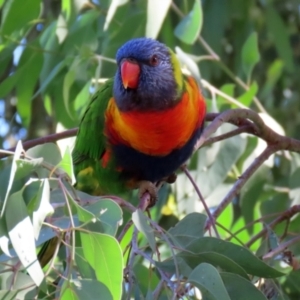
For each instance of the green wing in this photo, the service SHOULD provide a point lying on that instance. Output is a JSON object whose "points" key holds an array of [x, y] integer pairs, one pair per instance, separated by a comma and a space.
{"points": [[90, 140], [90, 145]]}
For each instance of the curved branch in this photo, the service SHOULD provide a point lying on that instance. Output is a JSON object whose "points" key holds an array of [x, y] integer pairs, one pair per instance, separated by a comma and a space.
{"points": [[43, 140], [241, 117]]}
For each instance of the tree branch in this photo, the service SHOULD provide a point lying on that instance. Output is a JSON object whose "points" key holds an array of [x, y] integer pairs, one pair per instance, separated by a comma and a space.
{"points": [[281, 247], [288, 214]]}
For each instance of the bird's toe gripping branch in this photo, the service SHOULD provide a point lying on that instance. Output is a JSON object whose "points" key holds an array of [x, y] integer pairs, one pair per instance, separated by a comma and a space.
{"points": [[148, 187]]}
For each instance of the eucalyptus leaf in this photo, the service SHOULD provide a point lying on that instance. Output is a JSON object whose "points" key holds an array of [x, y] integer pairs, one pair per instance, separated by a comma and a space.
{"points": [[21, 234], [188, 229], [240, 255], [18, 151], [189, 28], [156, 13], [250, 54], [17, 18], [208, 280], [239, 288], [141, 222], [104, 254]]}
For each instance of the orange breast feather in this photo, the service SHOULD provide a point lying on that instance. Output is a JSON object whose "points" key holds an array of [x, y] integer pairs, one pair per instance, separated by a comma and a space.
{"points": [[157, 132]]}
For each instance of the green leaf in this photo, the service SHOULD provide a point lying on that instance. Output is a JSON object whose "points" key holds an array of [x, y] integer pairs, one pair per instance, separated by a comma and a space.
{"points": [[40, 207], [17, 18], [24, 284], [280, 35], [84, 289], [294, 191], [108, 213], [208, 280], [84, 215], [216, 259], [18, 151], [8, 83], [67, 292], [240, 288], [21, 234], [84, 268], [189, 28], [68, 82], [141, 222], [25, 166], [144, 281], [188, 229], [67, 165], [250, 54], [50, 77], [156, 14], [112, 10], [242, 256], [228, 89], [102, 216], [252, 193], [227, 153], [50, 154], [248, 96], [81, 99], [8, 295], [4, 240], [273, 74], [26, 86], [104, 254]]}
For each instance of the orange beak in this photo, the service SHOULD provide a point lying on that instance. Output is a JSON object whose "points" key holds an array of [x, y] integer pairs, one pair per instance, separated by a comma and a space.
{"points": [[130, 72]]}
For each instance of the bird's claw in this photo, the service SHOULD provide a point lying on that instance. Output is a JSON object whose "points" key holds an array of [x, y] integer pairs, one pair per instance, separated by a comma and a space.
{"points": [[148, 186]]}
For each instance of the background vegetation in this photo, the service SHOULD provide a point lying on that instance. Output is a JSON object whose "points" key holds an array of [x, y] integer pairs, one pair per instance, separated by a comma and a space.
{"points": [[53, 56]]}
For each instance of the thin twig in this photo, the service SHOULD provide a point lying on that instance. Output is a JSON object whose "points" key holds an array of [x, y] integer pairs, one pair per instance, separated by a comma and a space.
{"points": [[167, 240], [227, 135], [284, 216], [66, 193], [129, 267], [43, 140], [214, 90], [210, 216], [242, 84], [281, 248]]}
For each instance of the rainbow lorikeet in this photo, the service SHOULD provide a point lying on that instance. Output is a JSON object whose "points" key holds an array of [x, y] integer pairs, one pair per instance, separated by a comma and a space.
{"points": [[141, 125]]}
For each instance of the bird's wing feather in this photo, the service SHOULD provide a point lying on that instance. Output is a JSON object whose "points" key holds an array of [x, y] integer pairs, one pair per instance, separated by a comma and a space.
{"points": [[90, 141]]}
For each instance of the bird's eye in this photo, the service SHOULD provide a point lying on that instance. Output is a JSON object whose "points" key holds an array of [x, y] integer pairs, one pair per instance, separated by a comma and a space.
{"points": [[154, 60]]}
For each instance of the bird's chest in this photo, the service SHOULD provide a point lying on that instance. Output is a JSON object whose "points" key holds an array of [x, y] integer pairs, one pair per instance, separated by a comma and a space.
{"points": [[154, 133]]}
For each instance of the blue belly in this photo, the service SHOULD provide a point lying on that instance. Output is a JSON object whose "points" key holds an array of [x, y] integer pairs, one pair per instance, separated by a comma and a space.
{"points": [[140, 166]]}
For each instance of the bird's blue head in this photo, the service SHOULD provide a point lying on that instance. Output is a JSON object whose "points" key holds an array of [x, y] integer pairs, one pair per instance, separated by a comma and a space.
{"points": [[148, 76]]}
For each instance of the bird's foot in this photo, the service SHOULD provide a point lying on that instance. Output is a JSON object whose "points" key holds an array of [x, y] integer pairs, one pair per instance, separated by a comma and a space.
{"points": [[148, 187]]}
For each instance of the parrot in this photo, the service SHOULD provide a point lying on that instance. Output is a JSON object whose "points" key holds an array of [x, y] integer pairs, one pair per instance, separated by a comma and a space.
{"points": [[141, 125]]}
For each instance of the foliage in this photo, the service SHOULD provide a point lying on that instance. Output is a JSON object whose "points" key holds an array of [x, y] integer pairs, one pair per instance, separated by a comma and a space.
{"points": [[53, 55]]}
